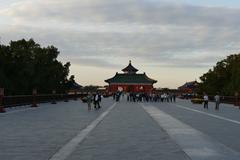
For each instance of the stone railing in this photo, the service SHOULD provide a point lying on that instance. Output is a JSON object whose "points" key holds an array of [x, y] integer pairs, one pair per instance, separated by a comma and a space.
{"points": [[35, 99]]}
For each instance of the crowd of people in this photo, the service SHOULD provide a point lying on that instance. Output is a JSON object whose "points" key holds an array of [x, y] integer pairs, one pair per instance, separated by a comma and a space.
{"points": [[144, 97], [160, 97], [95, 99]]}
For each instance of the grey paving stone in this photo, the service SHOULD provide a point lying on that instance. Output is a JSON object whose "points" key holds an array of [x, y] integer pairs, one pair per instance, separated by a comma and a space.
{"points": [[128, 133], [36, 134], [222, 131]]}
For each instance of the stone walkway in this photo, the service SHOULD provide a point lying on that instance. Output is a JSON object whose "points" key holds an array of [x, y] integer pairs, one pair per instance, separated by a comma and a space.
{"points": [[38, 133], [121, 131], [128, 133]]}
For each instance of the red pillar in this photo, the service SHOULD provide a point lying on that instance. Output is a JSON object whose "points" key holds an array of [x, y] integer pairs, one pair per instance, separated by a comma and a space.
{"points": [[2, 110]]}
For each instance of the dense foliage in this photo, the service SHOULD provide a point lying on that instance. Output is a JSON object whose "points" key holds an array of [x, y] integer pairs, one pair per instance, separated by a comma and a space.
{"points": [[223, 78], [25, 65], [90, 88]]}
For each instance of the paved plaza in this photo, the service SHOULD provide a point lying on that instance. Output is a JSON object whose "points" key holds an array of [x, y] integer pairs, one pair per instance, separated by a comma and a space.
{"points": [[120, 131]]}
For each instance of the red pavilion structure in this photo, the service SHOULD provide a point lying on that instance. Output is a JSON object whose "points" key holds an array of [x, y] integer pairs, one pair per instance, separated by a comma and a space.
{"points": [[130, 81]]}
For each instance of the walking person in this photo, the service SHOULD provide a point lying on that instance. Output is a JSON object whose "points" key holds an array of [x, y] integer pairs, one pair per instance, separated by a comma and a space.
{"points": [[205, 99], [162, 97], [217, 101], [171, 97], [128, 97], [167, 97], [114, 96], [89, 101], [118, 95], [174, 97], [97, 100]]}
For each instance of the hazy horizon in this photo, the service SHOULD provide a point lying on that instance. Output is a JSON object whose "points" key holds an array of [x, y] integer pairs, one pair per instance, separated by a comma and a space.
{"points": [[173, 41]]}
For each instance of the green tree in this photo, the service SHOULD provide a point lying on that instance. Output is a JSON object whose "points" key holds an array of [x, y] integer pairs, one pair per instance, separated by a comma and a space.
{"points": [[25, 65], [223, 78]]}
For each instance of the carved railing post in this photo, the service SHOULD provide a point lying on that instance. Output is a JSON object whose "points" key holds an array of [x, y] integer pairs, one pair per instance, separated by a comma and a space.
{"points": [[34, 98], [54, 97], [75, 95], [65, 97]]}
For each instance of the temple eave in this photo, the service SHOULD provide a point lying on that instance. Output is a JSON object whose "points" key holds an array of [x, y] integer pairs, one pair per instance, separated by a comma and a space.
{"points": [[127, 83]]}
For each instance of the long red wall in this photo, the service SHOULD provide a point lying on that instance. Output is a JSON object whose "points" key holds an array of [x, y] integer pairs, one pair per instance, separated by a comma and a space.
{"points": [[131, 88]]}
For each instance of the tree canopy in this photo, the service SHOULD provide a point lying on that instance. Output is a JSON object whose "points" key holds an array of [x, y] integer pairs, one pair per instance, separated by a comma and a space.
{"points": [[90, 88], [223, 78], [25, 65]]}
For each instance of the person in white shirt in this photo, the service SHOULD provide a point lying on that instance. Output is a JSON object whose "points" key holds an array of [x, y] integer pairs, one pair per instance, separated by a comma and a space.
{"points": [[205, 98]]}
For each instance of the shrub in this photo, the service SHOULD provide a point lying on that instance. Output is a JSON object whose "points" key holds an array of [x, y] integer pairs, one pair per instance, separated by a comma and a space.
{"points": [[197, 101]]}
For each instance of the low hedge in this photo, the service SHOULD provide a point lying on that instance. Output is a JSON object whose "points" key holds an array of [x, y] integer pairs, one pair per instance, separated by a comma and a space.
{"points": [[84, 99], [197, 100]]}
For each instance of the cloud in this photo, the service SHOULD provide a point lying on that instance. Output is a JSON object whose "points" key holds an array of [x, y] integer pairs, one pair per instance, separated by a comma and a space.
{"points": [[154, 32], [94, 62], [125, 11]]}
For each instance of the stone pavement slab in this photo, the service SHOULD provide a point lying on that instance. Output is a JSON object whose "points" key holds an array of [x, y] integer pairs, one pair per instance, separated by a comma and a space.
{"points": [[196, 144], [36, 134], [225, 110], [221, 130], [128, 133]]}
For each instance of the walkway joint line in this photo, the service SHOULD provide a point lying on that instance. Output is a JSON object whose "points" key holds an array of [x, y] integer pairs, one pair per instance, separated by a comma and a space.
{"points": [[70, 147], [208, 114], [194, 143]]}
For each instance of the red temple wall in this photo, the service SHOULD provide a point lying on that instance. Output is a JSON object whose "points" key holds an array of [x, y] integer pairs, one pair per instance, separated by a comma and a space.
{"points": [[131, 88]]}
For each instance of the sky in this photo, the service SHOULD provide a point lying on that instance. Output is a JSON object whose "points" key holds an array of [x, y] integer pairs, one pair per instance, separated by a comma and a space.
{"points": [[173, 41]]}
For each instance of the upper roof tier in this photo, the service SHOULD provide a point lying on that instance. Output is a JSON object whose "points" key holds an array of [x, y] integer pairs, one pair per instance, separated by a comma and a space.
{"points": [[130, 69]]}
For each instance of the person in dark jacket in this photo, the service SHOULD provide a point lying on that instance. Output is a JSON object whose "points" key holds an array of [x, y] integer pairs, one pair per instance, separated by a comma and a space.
{"points": [[97, 99]]}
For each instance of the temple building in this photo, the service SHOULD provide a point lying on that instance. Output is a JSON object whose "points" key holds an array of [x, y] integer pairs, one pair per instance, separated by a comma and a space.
{"points": [[130, 81], [189, 87]]}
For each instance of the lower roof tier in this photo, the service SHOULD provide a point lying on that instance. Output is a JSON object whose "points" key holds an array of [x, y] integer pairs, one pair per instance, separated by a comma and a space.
{"points": [[131, 79]]}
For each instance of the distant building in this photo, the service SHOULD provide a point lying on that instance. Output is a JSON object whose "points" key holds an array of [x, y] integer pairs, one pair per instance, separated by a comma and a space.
{"points": [[74, 87], [102, 90], [130, 81], [165, 90], [189, 87]]}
